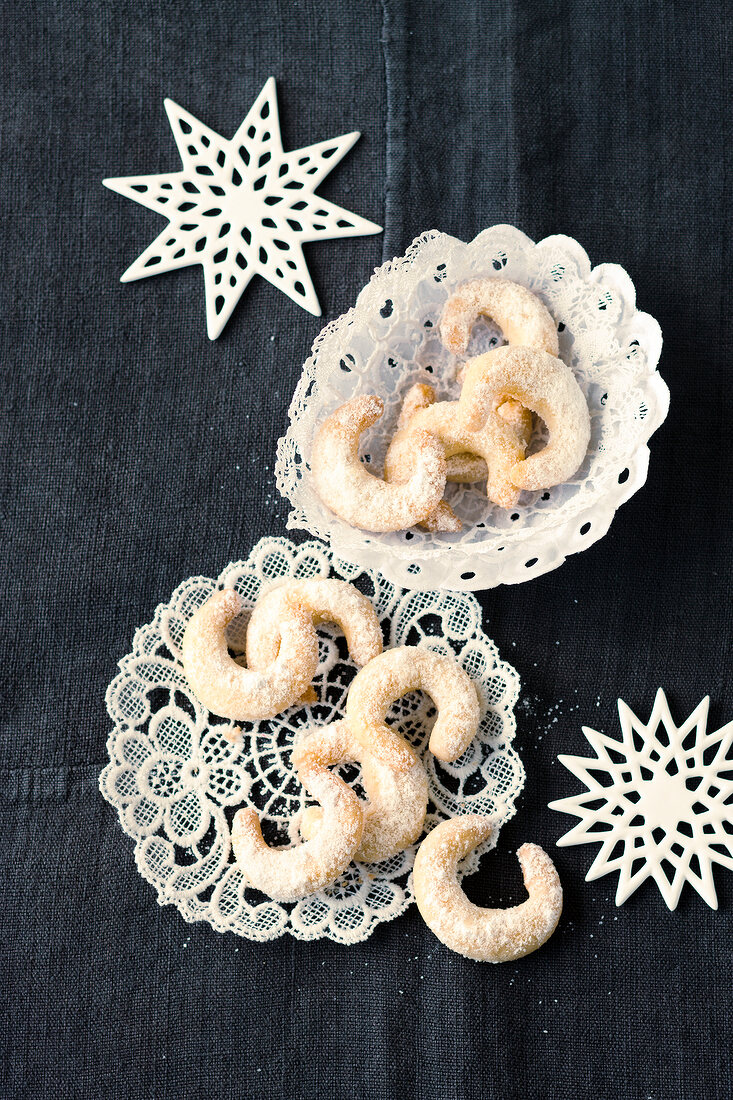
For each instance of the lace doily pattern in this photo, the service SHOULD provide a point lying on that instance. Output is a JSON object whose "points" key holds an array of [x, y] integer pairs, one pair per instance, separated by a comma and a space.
{"points": [[390, 340], [177, 774]]}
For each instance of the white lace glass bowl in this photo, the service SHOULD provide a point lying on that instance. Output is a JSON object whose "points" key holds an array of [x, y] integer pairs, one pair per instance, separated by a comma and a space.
{"points": [[177, 774], [390, 340]]}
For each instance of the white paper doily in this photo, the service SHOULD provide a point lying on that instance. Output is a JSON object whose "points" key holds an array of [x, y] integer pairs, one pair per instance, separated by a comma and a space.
{"points": [[390, 340], [176, 779]]}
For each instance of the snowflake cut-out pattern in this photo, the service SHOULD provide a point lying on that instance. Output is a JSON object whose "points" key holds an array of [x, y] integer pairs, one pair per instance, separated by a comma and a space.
{"points": [[660, 802], [241, 208]]}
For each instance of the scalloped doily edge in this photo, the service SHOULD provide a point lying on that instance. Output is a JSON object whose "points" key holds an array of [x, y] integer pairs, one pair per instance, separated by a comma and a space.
{"points": [[595, 518]]}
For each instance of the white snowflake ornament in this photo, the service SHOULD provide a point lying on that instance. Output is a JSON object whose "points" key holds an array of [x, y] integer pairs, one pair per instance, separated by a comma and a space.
{"points": [[659, 802], [241, 208]]}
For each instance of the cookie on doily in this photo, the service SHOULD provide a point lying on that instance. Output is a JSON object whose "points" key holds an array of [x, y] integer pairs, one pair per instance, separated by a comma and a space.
{"points": [[177, 774], [390, 341]]}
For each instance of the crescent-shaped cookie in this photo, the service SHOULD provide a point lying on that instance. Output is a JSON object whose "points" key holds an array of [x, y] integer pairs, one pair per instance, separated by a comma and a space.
{"points": [[523, 318], [545, 385], [346, 486], [245, 694], [395, 673], [486, 935], [397, 801], [286, 874]]}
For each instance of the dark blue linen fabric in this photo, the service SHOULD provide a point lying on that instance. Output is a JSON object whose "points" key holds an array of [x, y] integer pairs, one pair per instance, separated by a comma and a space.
{"points": [[137, 453]]}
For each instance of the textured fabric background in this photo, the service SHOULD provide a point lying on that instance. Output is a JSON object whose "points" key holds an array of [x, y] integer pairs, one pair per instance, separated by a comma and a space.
{"points": [[123, 428]]}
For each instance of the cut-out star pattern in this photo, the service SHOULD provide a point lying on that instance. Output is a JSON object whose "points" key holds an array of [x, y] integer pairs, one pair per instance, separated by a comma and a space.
{"points": [[660, 802], [241, 208]]}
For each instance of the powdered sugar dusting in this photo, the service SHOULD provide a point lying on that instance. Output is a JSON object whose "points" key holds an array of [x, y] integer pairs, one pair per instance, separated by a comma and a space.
{"points": [[346, 486], [240, 693], [397, 801], [500, 443], [547, 386], [394, 674], [287, 874], [522, 316], [326, 601], [486, 935]]}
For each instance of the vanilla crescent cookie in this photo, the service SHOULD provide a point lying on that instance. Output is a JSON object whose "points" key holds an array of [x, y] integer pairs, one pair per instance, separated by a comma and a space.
{"points": [[246, 694], [523, 318], [486, 935], [346, 486], [395, 673], [286, 874], [397, 801], [545, 385], [499, 444], [465, 467], [326, 601], [459, 468]]}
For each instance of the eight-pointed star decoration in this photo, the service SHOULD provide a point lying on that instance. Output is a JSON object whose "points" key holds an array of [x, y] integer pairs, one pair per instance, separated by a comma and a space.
{"points": [[241, 208], [660, 802]]}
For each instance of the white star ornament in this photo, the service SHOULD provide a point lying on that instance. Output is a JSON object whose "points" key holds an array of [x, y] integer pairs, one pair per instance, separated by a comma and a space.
{"points": [[241, 208], [659, 802]]}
